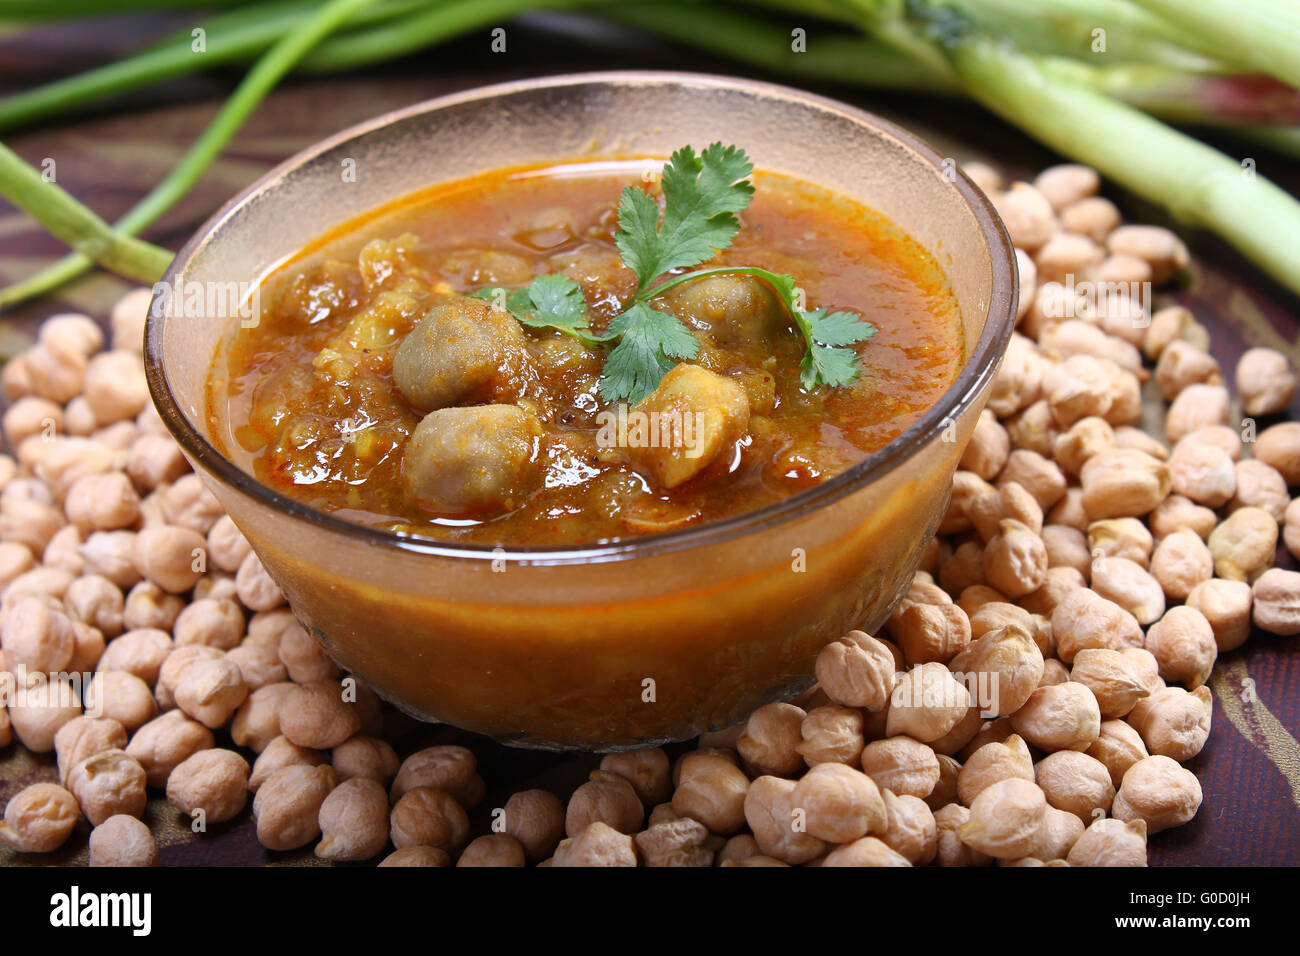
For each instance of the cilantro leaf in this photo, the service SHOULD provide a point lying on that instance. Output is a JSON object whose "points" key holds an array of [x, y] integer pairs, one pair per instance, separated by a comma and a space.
{"points": [[548, 302], [702, 195], [649, 341], [827, 362]]}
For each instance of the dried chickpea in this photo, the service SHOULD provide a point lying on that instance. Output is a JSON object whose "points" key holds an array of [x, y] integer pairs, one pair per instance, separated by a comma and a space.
{"points": [[255, 586], [1266, 382], [1260, 486], [303, 657], [1076, 783], [1197, 406], [1203, 473], [1015, 560], [1118, 747], [258, 664], [37, 715], [257, 720], [102, 502], [1129, 585], [1109, 842], [831, 734], [417, 856], [121, 696], [84, 737], [1181, 563], [1054, 672], [1276, 601], [1033, 428], [96, 601], [964, 569], [1039, 476], [1163, 251], [1093, 216], [931, 632], [949, 849], [1060, 717], [598, 845], [122, 840], [1123, 483], [775, 821], [187, 503], [911, 831], [364, 756], [1279, 446], [1009, 500], [15, 560], [1173, 722], [209, 621], [988, 449], [173, 668], [1083, 618], [62, 552], [1123, 268], [965, 486], [148, 606], [227, 546], [1126, 436], [991, 763], [36, 637], [39, 818], [1079, 387], [1227, 607], [1114, 679], [1121, 538], [155, 461], [1056, 585], [771, 740], [165, 742], [1158, 792], [857, 671], [280, 753], [1067, 184], [840, 804], [115, 386], [1083, 439], [1183, 644], [107, 784], [353, 821], [493, 849], [736, 850], [712, 790], [606, 797], [446, 767], [927, 702], [213, 782], [111, 554], [973, 599], [211, 691], [1182, 364], [536, 819], [316, 715], [425, 816], [869, 851], [1006, 819], [167, 555], [288, 804], [1028, 216], [1012, 661], [675, 843], [901, 764]]}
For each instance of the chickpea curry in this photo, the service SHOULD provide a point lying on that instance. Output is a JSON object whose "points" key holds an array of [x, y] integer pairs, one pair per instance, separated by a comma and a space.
{"points": [[584, 352]]}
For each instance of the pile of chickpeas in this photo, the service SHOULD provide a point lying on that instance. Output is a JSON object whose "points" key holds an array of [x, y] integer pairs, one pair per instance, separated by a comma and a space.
{"points": [[1086, 571]]}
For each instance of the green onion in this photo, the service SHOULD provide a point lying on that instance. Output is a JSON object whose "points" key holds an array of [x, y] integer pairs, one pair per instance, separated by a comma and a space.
{"points": [[1263, 34]]}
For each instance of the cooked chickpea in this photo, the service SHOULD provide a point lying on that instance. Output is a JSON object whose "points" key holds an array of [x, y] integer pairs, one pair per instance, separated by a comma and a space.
{"points": [[39, 818], [212, 781], [353, 821], [1060, 717], [1160, 793], [288, 804]]}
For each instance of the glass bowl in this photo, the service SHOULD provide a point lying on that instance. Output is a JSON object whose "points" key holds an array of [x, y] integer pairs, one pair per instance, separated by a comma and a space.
{"points": [[648, 640]]}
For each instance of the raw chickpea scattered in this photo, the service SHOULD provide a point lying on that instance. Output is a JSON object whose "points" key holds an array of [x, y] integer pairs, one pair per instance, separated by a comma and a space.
{"points": [[39, 818], [166, 742], [211, 691], [277, 755], [1266, 382], [84, 737], [1173, 722], [446, 767], [353, 821], [1182, 364], [257, 590], [1011, 658], [1060, 717], [771, 740], [1028, 216], [258, 664], [1129, 585], [1113, 678], [493, 849], [1162, 250], [1121, 538], [167, 556], [1226, 605], [1006, 819], [1118, 747], [288, 806], [1276, 601], [38, 715], [257, 720], [911, 831], [417, 856], [364, 756], [857, 671], [712, 790], [36, 637], [988, 449], [1076, 783], [174, 667], [840, 804], [1065, 185], [106, 784], [1015, 560], [607, 797], [1094, 216], [1109, 842], [536, 819], [775, 821], [1158, 792], [831, 734], [425, 816], [213, 781], [1083, 619], [1123, 483], [1184, 645], [993, 762], [927, 702], [123, 840], [123, 697], [315, 715], [1260, 486], [931, 632], [1279, 446], [964, 569], [598, 845], [209, 621], [1181, 562], [901, 764], [1038, 475]]}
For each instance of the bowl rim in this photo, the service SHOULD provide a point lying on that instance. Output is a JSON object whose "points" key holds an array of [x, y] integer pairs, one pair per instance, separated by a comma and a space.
{"points": [[970, 383]]}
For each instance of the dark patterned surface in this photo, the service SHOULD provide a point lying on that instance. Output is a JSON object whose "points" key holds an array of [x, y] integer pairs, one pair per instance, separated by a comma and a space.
{"points": [[1250, 768]]}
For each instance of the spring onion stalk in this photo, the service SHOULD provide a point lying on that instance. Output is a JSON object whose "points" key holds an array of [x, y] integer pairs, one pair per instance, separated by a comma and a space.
{"points": [[261, 79], [37, 10], [1197, 184], [1261, 34], [1281, 139], [68, 220], [233, 37]]}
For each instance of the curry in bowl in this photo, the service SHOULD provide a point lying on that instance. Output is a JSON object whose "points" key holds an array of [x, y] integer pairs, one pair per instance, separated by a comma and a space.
{"points": [[586, 351]]}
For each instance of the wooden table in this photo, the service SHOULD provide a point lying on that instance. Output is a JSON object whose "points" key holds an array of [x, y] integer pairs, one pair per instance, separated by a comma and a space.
{"points": [[1249, 769]]}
